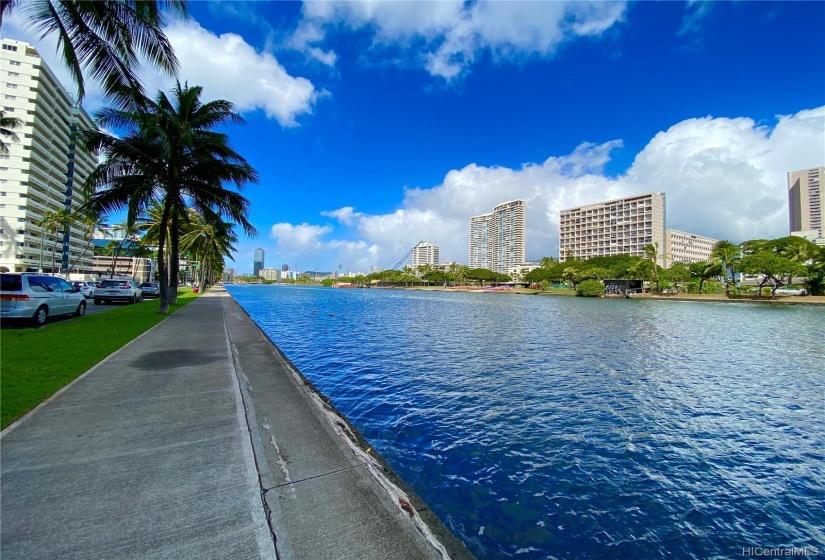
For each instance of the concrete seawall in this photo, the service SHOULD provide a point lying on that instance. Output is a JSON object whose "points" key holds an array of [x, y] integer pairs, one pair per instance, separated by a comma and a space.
{"points": [[328, 494], [199, 439]]}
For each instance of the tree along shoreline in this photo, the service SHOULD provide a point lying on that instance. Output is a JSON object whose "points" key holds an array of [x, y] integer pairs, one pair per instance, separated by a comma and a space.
{"points": [[783, 300]]}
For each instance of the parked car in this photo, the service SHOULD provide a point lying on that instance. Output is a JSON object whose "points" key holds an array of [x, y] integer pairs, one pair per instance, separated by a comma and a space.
{"points": [[150, 289], [38, 297], [117, 290], [85, 288], [791, 291]]}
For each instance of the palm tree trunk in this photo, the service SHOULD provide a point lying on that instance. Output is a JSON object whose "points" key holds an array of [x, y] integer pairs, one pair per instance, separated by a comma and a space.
{"points": [[174, 258], [163, 269], [54, 250]]}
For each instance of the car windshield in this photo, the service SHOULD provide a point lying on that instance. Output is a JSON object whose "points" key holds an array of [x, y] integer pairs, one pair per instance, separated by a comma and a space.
{"points": [[10, 283], [148, 285]]}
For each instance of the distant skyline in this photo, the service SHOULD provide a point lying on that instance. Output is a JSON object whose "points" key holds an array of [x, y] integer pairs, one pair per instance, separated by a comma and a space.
{"points": [[376, 125]]}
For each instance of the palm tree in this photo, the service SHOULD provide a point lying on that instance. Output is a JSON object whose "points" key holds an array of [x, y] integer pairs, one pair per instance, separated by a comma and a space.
{"points": [[170, 155], [210, 240], [7, 126], [727, 254], [652, 254], [54, 222], [105, 37], [89, 222]]}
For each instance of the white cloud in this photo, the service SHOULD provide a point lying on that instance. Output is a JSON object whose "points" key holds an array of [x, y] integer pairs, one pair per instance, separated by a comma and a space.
{"points": [[446, 37], [221, 64], [723, 177], [345, 215], [298, 237]]}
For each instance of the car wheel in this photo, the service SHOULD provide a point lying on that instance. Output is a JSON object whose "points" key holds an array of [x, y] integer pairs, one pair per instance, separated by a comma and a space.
{"points": [[98, 301], [81, 309], [132, 299], [140, 298], [40, 316]]}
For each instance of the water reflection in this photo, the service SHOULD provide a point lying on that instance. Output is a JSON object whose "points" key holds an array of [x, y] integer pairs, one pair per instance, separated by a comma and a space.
{"points": [[570, 428]]}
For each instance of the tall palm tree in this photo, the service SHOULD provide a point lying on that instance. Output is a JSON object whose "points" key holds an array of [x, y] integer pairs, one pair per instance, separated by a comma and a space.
{"points": [[210, 240], [7, 126], [169, 154], [54, 222], [89, 221], [105, 37], [652, 254], [727, 254]]}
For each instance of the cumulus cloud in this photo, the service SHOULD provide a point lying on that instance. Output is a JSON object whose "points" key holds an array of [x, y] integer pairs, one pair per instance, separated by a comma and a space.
{"points": [[446, 37], [222, 64], [723, 178], [345, 215]]}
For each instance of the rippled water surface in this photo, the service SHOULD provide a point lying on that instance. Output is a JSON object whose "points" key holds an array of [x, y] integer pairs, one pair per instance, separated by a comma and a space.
{"points": [[553, 427]]}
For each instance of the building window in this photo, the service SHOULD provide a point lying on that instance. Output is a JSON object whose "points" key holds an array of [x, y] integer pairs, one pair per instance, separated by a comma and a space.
{"points": [[13, 74], [11, 86], [10, 48], [9, 97], [14, 63]]}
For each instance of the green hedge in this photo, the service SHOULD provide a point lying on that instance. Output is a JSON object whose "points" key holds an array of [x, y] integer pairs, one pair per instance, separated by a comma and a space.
{"points": [[590, 288]]}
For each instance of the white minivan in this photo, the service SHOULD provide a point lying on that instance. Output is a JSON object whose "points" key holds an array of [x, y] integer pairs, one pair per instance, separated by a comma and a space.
{"points": [[38, 297]]}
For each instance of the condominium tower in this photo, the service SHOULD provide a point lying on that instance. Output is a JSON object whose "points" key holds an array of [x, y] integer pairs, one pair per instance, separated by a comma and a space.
{"points": [[42, 171], [497, 239], [614, 227], [805, 200], [258, 262], [424, 253]]}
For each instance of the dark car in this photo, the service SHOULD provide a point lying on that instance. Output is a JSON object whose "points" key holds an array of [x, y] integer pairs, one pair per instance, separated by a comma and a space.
{"points": [[150, 289]]}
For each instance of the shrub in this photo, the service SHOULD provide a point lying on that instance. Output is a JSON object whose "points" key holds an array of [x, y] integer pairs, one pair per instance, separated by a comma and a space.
{"points": [[590, 288], [544, 285]]}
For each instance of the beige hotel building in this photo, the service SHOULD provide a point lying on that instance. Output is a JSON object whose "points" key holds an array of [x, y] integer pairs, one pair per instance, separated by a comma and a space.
{"points": [[43, 170], [614, 227], [686, 247]]}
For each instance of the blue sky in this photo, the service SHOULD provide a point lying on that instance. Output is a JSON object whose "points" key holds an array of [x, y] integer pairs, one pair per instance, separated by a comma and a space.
{"points": [[375, 125]]}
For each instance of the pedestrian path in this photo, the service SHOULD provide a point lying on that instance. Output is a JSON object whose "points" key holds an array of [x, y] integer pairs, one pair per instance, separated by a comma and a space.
{"points": [[199, 440], [146, 456]]}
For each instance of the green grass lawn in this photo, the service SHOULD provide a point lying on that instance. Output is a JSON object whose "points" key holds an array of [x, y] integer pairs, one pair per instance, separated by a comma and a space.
{"points": [[34, 363]]}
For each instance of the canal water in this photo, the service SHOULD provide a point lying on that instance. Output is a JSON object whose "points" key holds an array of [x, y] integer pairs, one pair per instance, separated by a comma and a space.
{"points": [[554, 427]]}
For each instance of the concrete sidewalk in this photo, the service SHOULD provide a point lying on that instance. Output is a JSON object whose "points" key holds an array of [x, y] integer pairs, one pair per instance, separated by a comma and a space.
{"points": [[198, 440]]}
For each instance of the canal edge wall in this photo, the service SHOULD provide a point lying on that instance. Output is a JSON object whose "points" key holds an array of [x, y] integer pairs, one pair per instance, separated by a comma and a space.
{"points": [[404, 503]]}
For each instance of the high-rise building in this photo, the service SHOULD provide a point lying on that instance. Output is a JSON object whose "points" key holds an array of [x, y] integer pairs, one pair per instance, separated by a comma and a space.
{"points": [[686, 247], [805, 200], [424, 253], [284, 268], [43, 170], [258, 262], [614, 227], [497, 239]]}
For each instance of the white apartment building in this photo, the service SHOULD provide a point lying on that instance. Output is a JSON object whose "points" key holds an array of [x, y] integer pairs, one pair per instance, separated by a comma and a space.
{"points": [[424, 253], [497, 240], [613, 227], [805, 198], [270, 274], [44, 170], [686, 247]]}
